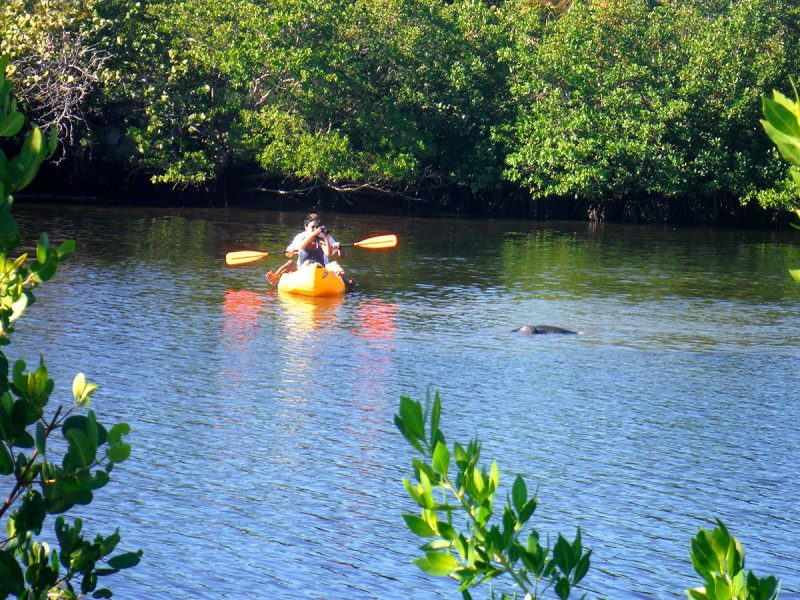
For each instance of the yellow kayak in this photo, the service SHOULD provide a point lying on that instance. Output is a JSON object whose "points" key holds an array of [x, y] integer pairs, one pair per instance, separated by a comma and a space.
{"points": [[312, 280]]}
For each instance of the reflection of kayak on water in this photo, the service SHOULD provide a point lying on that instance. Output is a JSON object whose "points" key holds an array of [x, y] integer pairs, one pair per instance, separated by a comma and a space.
{"points": [[312, 279], [309, 313]]}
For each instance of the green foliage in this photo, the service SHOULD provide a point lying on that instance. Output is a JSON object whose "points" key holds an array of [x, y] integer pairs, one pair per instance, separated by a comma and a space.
{"points": [[718, 558], [37, 485], [379, 93], [18, 171], [782, 124], [452, 483], [625, 98], [597, 99]]}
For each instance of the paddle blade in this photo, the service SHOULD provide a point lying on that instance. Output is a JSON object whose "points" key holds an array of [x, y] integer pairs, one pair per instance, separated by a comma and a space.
{"points": [[377, 243], [244, 257]]}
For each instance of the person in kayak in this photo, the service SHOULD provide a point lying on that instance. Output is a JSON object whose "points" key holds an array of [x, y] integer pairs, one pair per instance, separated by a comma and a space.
{"points": [[314, 244]]}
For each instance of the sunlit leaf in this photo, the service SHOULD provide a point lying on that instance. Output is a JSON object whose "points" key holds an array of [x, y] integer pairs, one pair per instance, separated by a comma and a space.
{"points": [[437, 563], [66, 248], [78, 384], [780, 117], [118, 452], [441, 459], [418, 526]]}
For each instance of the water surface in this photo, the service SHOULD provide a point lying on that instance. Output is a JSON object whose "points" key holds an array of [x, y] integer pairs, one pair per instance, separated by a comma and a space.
{"points": [[265, 460]]}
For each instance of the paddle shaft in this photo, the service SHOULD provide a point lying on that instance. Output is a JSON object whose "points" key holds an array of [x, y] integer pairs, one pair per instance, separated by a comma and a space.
{"points": [[246, 257]]}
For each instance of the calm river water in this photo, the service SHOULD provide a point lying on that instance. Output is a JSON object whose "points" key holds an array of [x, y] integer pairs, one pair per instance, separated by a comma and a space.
{"points": [[266, 463]]}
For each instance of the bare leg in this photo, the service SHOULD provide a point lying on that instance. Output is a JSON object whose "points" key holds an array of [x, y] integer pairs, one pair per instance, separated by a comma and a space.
{"points": [[286, 267]]}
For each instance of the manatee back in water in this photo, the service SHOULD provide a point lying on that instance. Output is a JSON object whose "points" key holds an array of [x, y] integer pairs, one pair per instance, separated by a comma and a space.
{"points": [[542, 329]]}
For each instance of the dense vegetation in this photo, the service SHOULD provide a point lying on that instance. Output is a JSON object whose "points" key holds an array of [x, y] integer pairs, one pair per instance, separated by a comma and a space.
{"points": [[632, 108]]}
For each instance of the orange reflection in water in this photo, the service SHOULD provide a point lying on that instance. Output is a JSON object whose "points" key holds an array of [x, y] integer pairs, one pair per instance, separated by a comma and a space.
{"points": [[307, 313], [376, 320], [240, 310]]}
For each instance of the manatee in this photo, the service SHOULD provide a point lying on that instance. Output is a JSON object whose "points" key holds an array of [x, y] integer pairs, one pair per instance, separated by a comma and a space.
{"points": [[541, 329]]}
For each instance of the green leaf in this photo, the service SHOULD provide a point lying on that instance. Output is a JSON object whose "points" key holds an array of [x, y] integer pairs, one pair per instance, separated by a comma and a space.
{"points": [[413, 492], [787, 103], [435, 545], [65, 249], [44, 272], [126, 560], [562, 588], [441, 459], [768, 587], [411, 439], [582, 568], [116, 432], [9, 234], [18, 307], [439, 564], [436, 413], [528, 509], [6, 461], [80, 422], [11, 124], [6, 427], [91, 429], [11, 578], [411, 415], [80, 448], [562, 553], [447, 532], [418, 526], [118, 452], [781, 118], [788, 146], [24, 440], [100, 479], [31, 513], [494, 477], [78, 384], [41, 248], [110, 543], [519, 493], [478, 482], [703, 558]]}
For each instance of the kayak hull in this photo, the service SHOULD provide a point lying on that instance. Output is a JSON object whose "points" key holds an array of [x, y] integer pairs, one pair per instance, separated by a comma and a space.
{"points": [[312, 280]]}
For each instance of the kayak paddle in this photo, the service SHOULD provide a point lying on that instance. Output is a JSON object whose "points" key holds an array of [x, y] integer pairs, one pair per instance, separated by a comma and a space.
{"points": [[376, 243], [245, 257]]}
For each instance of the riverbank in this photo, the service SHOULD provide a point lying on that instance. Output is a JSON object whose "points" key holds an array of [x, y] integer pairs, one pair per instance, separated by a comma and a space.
{"points": [[112, 187]]}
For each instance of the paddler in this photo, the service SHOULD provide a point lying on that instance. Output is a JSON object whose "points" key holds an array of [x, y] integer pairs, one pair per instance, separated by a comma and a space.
{"points": [[314, 244]]}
